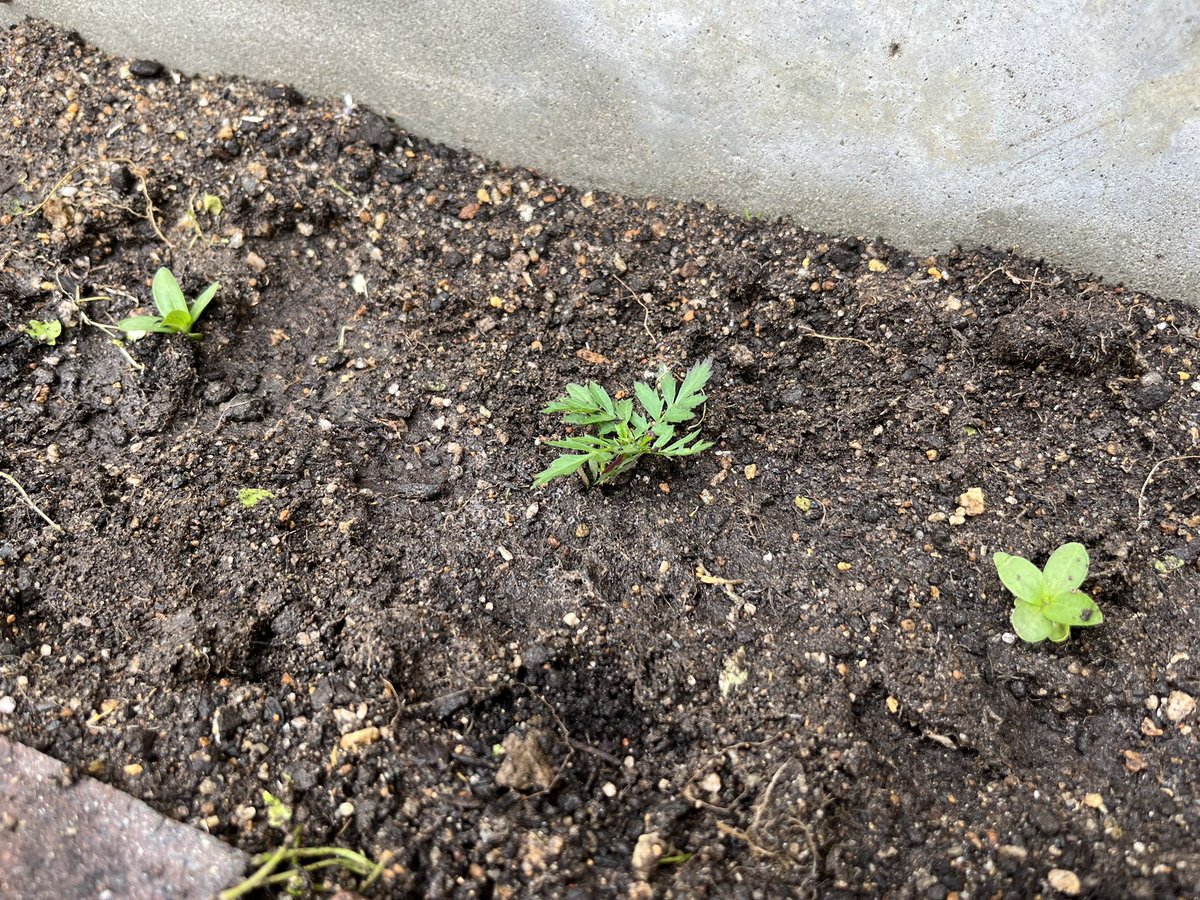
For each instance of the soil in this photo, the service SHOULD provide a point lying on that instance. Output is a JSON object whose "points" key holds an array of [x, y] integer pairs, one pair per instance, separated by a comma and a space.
{"points": [[781, 668]]}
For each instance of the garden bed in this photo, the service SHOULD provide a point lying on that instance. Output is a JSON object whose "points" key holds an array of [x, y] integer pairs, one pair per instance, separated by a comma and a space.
{"points": [[784, 666]]}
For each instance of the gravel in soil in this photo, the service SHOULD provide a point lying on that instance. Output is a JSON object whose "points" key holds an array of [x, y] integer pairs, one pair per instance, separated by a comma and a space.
{"points": [[783, 667]]}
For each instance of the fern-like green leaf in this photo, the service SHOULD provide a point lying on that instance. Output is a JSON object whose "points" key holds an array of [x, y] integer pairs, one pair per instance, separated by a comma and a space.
{"points": [[566, 464]]}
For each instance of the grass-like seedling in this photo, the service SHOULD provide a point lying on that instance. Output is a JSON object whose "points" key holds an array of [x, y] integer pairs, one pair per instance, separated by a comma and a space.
{"points": [[1049, 601], [176, 317], [292, 867], [624, 436], [47, 332]]}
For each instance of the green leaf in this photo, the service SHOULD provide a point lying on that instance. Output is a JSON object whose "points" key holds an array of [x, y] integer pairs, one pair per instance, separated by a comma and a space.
{"points": [[178, 320], [1021, 577], [566, 464], [1029, 623], [679, 448], [600, 395], [278, 812], [588, 418], [47, 332], [167, 295], [680, 412], [203, 300], [649, 399], [580, 395], [142, 323], [1073, 608], [666, 383], [212, 204], [1059, 632], [585, 442], [624, 410], [1066, 569], [695, 379], [251, 497]]}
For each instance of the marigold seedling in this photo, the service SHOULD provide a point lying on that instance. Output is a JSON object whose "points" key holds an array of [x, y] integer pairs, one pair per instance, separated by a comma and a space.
{"points": [[47, 332], [624, 436], [1049, 601], [176, 317]]}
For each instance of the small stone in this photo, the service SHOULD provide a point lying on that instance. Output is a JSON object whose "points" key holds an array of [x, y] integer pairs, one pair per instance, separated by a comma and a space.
{"points": [[8, 706], [245, 408], [570, 620], [414, 490], [609, 790], [1179, 706], [582, 530], [971, 501], [1134, 761], [711, 783], [286, 93], [360, 738], [377, 132], [256, 262], [526, 766], [346, 810], [146, 68], [646, 854], [1064, 881], [751, 472]]}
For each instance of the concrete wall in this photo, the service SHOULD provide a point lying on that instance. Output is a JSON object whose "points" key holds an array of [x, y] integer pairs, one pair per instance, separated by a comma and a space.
{"points": [[1070, 129]]}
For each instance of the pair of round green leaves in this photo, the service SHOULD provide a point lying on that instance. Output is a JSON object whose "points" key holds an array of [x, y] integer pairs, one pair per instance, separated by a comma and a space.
{"points": [[1049, 601]]}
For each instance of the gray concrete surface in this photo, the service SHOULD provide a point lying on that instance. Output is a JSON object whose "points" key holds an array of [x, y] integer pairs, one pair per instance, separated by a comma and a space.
{"points": [[62, 839], [1071, 130]]}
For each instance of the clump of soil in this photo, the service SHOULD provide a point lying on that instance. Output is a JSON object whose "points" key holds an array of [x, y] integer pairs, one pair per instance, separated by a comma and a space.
{"points": [[782, 667]]}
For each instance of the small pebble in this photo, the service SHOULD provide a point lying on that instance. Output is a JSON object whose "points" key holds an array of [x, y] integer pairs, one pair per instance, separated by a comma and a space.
{"points": [[1180, 705], [146, 68], [1064, 881]]}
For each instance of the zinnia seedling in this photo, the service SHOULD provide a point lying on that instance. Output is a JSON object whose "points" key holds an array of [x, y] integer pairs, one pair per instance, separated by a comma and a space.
{"points": [[624, 436], [176, 317], [1049, 601]]}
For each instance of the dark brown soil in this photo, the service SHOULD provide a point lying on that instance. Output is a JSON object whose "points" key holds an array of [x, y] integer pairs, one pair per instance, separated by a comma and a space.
{"points": [[890, 736]]}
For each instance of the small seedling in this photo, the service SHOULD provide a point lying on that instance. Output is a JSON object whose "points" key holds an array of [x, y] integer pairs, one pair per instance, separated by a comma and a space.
{"points": [[623, 436], [251, 497], [176, 317], [1049, 601], [47, 332], [292, 868]]}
